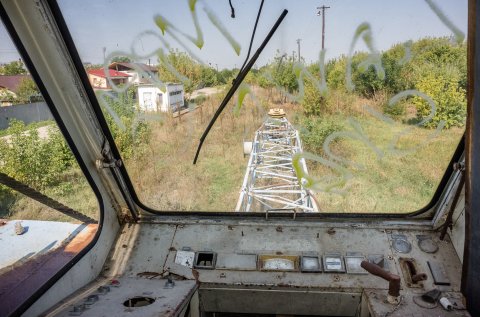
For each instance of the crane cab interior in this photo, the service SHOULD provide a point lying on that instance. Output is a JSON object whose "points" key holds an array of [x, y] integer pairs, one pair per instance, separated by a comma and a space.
{"points": [[281, 223]]}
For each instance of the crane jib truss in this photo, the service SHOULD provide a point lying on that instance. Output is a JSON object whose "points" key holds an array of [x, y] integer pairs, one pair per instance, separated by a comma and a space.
{"points": [[270, 182]]}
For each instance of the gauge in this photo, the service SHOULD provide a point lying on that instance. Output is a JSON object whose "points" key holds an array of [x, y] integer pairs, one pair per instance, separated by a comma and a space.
{"points": [[333, 263]]}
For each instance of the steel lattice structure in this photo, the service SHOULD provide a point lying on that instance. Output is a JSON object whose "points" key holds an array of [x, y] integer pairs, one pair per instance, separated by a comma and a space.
{"points": [[270, 182]]}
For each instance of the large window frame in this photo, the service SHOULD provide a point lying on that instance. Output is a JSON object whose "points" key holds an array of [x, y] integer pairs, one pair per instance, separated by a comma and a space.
{"points": [[28, 302], [424, 213]]}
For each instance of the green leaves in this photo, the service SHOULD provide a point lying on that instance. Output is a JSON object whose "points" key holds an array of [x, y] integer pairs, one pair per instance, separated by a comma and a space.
{"points": [[38, 162], [26, 90], [178, 66], [449, 99], [13, 68]]}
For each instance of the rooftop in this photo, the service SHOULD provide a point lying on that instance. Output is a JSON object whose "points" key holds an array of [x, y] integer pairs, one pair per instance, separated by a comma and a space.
{"points": [[12, 82], [132, 66], [111, 73]]}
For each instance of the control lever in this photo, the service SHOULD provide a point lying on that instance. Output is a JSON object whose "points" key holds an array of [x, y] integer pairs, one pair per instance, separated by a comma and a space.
{"points": [[419, 277], [393, 296]]}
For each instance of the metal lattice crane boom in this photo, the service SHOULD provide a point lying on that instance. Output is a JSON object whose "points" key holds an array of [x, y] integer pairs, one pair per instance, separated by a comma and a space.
{"points": [[270, 182]]}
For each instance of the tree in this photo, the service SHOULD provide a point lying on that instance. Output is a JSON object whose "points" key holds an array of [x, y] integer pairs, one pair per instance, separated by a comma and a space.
{"points": [[13, 68], [449, 99], [313, 102], [89, 66], [224, 76], [208, 77], [38, 162], [121, 59], [26, 90], [283, 73], [178, 66]]}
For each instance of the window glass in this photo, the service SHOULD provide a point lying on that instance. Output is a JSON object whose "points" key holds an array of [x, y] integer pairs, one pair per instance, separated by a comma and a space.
{"points": [[350, 107], [48, 211]]}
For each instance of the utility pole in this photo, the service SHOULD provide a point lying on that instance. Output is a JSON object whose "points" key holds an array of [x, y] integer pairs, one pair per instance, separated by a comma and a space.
{"points": [[322, 13], [298, 42]]}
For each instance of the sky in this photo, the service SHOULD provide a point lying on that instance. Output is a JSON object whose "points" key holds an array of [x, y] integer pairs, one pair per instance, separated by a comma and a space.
{"points": [[115, 26]]}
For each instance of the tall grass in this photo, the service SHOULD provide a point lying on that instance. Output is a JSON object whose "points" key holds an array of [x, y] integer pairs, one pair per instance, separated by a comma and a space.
{"points": [[165, 178]]}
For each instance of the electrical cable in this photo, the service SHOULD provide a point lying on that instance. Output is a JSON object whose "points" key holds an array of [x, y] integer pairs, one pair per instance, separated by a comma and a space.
{"points": [[236, 83], [253, 36], [232, 15]]}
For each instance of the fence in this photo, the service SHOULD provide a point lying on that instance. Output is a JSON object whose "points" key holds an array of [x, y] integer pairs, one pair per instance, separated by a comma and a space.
{"points": [[32, 112]]}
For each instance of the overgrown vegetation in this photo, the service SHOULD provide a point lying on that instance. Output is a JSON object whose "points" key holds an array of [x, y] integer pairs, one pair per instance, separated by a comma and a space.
{"points": [[46, 164], [13, 68], [393, 163], [132, 135]]}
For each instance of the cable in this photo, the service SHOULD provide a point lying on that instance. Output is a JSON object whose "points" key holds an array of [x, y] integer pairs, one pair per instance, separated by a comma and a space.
{"points": [[236, 83], [253, 36], [233, 10]]}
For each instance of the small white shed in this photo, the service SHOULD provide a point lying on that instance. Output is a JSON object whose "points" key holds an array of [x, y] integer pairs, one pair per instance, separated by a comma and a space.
{"points": [[152, 98]]}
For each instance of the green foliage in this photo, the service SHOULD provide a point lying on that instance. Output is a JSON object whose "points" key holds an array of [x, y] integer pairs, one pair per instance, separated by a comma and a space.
{"points": [[264, 81], [397, 72], [434, 66], [208, 77], [13, 68], [313, 102], [283, 73], [199, 99], [448, 97], [178, 66], [225, 75], [366, 81], [316, 130], [336, 72], [32, 160], [131, 136], [396, 110], [7, 95], [121, 59], [27, 90]]}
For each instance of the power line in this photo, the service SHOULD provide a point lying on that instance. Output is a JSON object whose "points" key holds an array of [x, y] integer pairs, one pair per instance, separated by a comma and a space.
{"points": [[298, 42], [322, 13]]}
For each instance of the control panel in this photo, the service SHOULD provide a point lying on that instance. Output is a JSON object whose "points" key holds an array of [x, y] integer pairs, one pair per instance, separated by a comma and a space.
{"points": [[237, 268]]}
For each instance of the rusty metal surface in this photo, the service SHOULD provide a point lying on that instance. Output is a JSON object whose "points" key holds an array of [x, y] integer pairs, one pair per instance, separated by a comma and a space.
{"points": [[168, 301], [393, 279], [471, 263], [21, 279], [39, 237], [149, 251], [411, 305]]}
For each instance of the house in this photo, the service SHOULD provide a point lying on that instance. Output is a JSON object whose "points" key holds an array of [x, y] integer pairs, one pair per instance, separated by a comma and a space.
{"points": [[139, 73], [9, 85], [152, 98], [98, 78]]}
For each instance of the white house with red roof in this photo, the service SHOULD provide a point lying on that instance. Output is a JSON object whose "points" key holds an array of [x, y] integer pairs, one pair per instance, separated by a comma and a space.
{"points": [[140, 73], [99, 78]]}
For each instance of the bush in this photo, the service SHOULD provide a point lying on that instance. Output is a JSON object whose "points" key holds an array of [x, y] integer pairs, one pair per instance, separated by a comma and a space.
{"points": [[32, 160], [129, 134], [396, 110], [448, 97], [313, 102], [199, 100], [315, 131]]}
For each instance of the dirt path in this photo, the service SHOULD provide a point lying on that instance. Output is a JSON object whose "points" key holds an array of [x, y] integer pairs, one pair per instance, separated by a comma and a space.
{"points": [[205, 92], [42, 133]]}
